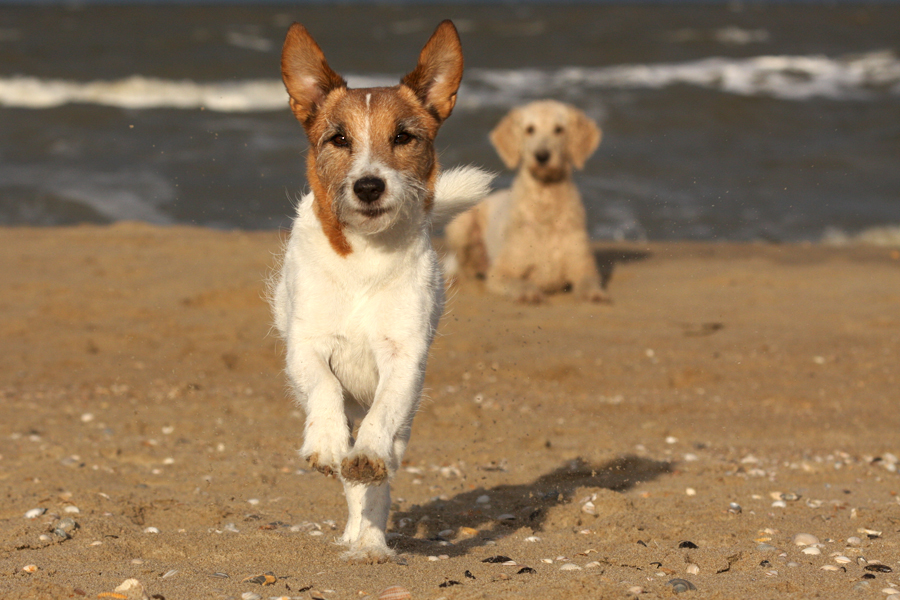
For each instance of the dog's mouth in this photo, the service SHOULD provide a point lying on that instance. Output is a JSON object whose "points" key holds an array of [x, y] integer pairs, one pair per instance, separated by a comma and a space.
{"points": [[372, 213]]}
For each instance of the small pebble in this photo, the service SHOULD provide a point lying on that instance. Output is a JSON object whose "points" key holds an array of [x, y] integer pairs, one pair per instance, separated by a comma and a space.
{"points": [[690, 491], [570, 567], [34, 513], [635, 590], [854, 541], [805, 539], [506, 517], [483, 499], [445, 533], [734, 507], [681, 585]]}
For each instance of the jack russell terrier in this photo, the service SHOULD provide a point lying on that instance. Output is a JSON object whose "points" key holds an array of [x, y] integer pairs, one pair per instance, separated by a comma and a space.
{"points": [[360, 290]]}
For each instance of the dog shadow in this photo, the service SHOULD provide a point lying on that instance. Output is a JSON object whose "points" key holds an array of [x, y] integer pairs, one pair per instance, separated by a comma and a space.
{"points": [[524, 505], [608, 258]]}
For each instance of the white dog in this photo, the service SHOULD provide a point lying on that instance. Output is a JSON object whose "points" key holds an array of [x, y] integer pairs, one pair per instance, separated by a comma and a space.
{"points": [[360, 292], [532, 239]]}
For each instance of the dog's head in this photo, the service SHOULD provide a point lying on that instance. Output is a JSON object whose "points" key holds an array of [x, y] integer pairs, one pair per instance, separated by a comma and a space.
{"points": [[371, 160], [548, 138]]}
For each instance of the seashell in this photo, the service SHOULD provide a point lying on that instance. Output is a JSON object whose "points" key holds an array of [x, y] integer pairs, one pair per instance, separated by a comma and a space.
{"points": [[681, 585], [841, 559], [734, 507], [510, 563], [589, 508], [790, 497], [522, 571], [72, 510], [635, 590], [830, 568], [805, 539], [890, 591], [30, 568], [548, 561], [170, 573], [687, 544], [506, 517], [811, 550], [468, 531], [394, 592], [485, 499], [878, 568], [592, 565], [151, 530], [779, 504], [570, 567], [250, 596], [692, 569], [445, 533], [115, 595], [532, 538], [870, 532], [854, 541], [34, 513]]}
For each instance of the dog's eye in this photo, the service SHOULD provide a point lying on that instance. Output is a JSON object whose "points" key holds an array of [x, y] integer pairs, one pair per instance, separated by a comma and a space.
{"points": [[340, 140], [402, 138], [529, 130], [559, 129]]}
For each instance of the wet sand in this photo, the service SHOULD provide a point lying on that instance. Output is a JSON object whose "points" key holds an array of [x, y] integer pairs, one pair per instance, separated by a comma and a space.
{"points": [[731, 397]]}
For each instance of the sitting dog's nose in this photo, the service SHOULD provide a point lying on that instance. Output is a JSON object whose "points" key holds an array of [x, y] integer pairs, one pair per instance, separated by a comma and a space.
{"points": [[542, 156], [368, 189]]}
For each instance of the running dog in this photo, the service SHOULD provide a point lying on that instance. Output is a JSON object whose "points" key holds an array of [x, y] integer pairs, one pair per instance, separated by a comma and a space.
{"points": [[360, 291]]}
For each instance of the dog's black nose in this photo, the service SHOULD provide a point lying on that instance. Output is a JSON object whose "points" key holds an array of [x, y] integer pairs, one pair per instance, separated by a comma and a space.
{"points": [[542, 156], [369, 189]]}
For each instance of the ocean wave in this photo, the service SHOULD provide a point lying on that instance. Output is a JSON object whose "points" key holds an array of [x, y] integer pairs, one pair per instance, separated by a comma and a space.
{"points": [[795, 78]]}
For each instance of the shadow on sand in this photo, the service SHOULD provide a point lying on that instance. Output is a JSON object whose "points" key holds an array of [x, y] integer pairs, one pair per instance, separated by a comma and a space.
{"points": [[528, 504], [608, 258]]}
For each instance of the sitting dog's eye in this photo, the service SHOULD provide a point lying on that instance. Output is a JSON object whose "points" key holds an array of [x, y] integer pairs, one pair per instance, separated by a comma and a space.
{"points": [[340, 140], [402, 138], [559, 129], [529, 130]]}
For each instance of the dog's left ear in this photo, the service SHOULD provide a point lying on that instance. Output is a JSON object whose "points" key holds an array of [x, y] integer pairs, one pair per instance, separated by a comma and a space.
{"points": [[306, 73], [583, 138], [436, 78]]}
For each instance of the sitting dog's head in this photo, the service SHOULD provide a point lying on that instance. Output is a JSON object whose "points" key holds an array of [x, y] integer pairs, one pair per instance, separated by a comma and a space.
{"points": [[371, 160], [548, 138]]}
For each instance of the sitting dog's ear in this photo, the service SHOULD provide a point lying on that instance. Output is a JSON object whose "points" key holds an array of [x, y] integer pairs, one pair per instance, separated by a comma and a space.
{"points": [[306, 74], [507, 139], [436, 78], [583, 137]]}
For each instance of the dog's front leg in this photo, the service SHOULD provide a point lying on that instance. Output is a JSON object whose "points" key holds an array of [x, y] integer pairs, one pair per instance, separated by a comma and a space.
{"points": [[326, 437], [384, 432]]}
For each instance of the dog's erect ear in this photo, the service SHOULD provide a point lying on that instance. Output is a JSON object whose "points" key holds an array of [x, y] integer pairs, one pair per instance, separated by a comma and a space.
{"points": [[436, 78], [507, 139], [583, 138], [306, 75]]}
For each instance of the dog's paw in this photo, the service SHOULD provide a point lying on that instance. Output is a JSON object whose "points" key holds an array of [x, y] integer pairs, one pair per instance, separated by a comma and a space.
{"points": [[530, 296], [322, 467], [374, 555], [361, 468], [596, 296]]}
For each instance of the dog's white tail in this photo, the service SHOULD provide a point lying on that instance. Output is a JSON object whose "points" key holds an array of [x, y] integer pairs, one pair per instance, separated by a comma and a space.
{"points": [[458, 190]]}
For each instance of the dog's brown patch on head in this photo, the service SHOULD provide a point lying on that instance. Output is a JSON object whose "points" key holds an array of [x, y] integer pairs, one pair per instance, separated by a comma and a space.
{"points": [[395, 125]]}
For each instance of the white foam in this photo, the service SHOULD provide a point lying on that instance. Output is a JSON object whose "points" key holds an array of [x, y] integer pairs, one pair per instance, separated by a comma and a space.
{"points": [[795, 78], [882, 235]]}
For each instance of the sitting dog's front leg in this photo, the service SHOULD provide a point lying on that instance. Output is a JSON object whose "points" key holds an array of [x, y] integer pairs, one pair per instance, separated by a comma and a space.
{"points": [[326, 437]]}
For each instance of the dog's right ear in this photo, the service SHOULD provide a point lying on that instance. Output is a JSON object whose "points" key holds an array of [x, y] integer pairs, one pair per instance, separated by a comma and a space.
{"points": [[507, 139], [306, 74]]}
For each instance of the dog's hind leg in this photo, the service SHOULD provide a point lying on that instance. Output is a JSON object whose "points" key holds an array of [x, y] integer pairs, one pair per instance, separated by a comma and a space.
{"points": [[368, 506]]}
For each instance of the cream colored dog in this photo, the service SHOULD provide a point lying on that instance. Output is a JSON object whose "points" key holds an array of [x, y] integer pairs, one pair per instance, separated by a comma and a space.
{"points": [[532, 239]]}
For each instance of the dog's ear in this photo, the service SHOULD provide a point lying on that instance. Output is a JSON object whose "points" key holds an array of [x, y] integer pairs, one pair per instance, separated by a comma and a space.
{"points": [[436, 78], [507, 139], [306, 74], [583, 138]]}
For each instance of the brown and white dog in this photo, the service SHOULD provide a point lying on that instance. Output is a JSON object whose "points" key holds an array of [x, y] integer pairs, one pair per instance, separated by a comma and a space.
{"points": [[360, 291], [532, 239]]}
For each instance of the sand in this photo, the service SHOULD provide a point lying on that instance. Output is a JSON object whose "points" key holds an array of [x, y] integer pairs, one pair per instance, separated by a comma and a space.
{"points": [[731, 396]]}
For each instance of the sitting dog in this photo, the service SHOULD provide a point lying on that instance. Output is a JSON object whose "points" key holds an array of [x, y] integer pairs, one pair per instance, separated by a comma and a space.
{"points": [[532, 239], [360, 291]]}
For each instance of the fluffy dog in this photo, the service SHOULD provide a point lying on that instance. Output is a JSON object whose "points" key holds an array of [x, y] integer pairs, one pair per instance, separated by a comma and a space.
{"points": [[360, 291], [532, 239]]}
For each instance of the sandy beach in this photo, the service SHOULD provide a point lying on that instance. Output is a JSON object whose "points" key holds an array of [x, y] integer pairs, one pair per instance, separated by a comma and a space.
{"points": [[730, 398]]}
